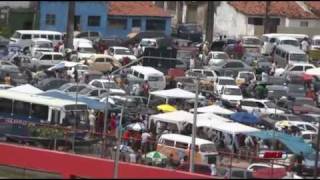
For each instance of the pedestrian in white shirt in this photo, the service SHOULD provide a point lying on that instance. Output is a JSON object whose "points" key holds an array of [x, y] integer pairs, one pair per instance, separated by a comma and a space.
{"points": [[92, 121], [305, 45], [144, 141], [192, 63]]}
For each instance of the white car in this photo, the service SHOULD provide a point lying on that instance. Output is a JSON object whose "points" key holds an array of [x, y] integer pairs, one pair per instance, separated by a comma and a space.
{"points": [[231, 94], [40, 45], [222, 81], [293, 68], [119, 53], [309, 136], [244, 75], [261, 105], [209, 74], [215, 57], [255, 166], [104, 84], [303, 126], [84, 48], [46, 59]]}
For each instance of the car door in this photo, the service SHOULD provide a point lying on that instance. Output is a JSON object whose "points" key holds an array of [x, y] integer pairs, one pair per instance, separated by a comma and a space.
{"points": [[261, 107], [46, 60], [57, 58], [99, 64]]}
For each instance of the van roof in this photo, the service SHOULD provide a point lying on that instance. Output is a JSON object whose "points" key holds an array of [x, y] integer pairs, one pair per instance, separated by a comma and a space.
{"points": [[316, 37], [290, 49], [287, 38], [256, 100], [282, 34], [41, 39], [38, 32], [185, 139], [146, 70]]}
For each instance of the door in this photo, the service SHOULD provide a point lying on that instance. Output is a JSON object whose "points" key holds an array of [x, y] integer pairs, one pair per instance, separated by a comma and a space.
{"points": [[76, 24]]}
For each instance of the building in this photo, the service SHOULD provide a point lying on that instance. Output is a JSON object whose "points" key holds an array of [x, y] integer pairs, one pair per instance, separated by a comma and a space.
{"points": [[89, 16], [110, 18]]}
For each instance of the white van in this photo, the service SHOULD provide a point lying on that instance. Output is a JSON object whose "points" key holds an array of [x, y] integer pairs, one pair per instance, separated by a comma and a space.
{"points": [[288, 54], [261, 105], [286, 40], [23, 37], [270, 39], [40, 45], [315, 43], [180, 145], [155, 78], [84, 48]]}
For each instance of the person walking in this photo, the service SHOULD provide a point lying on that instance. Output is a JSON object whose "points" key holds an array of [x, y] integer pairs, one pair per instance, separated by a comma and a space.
{"points": [[92, 121], [305, 45], [144, 141], [146, 88], [7, 79], [192, 63]]}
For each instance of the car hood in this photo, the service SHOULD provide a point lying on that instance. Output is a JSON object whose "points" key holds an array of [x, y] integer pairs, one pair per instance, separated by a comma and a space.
{"points": [[232, 97]]}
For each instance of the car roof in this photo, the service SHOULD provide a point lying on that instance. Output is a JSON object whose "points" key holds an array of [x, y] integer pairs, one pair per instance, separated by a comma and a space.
{"points": [[118, 47], [53, 53], [102, 80], [231, 86], [225, 77], [256, 100], [286, 38]]}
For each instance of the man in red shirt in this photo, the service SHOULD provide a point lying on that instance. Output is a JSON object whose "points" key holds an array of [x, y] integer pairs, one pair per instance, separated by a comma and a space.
{"points": [[146, 88]]}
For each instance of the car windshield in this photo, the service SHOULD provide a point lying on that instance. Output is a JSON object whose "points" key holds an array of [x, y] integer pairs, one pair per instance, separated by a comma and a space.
{"points": [[251, 41], [232, 91], [220, 56], [87, 50], [123, 51], [226, 82], [44, 45], [112, 85], [290, 42], [85, 90], [208, 148], [298, 57], [270, 104], [246, 75], [16, 35]]}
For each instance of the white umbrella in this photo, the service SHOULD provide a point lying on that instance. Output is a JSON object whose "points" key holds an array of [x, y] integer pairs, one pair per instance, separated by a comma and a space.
{"points": [[63, 65], [136, 126]]}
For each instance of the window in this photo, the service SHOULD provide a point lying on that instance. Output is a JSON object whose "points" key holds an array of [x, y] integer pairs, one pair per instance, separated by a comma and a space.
{"points": [[233, 65], [57, 57], [97, 84], [26, 36], [310, 128], [94, 93], [304, 24], [141, 76], [39, 111], [50, 37], [115, 23], [57, 37], [136, 74], [260, 105], [36, 36], [136, 23], [46, 57], [308, 67], [168, 142], [21, 108], [5, 106], [83, 35], [50, 19], [255, 21], [297, 68], [181, 145], [156, 25], [44, 36], [100, 60], [248, 103], [208, 73], [93, 20], [94, 34]]}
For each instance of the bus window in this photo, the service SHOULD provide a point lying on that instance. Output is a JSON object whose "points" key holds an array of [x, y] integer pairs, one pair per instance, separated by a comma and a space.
{"points": [[36, 36], [26, 36], [21, 108], [135, 73], [40, 111], [50, 37], [44, 36], [141, 76], [168, 142], [57, 37], [55, 117], [5, 105], [181, 145]]}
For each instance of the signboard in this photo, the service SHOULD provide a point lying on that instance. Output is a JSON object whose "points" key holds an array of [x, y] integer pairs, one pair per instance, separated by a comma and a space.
{"points": [[272, 155]]}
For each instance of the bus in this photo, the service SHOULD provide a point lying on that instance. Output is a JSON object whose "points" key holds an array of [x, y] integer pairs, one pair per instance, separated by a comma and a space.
{"points": [[19, 111]]}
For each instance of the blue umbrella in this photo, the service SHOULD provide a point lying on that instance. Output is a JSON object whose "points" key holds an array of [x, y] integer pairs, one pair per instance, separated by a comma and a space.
{"points": [[244, 117]]}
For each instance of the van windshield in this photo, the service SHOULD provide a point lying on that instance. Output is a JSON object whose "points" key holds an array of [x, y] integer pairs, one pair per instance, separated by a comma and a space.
{"points": [[44, 45], [155, 78], [87, 50], [16, 35], [298, 57], [251, 41], [208, 148]]}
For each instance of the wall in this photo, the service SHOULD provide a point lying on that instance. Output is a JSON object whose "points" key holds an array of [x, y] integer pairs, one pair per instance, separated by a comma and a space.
{"points": [[123, 33], [15, 4], [83, 8], [298, 30], [296, 23], [68, 164], [231, 23]]}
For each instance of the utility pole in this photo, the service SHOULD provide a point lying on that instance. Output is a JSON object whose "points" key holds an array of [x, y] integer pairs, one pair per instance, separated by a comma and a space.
{"points": [[210, 21], [315, 171], [70, 24], [266, 19], [179, 11]]}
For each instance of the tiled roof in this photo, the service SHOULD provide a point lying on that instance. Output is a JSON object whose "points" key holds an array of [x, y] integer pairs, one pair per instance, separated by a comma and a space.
{"points": [[135, 8], [288, 9], [314, 6]]}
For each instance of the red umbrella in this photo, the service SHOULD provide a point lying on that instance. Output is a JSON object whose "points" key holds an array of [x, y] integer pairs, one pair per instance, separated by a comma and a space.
{"points": [[266, 173], [307, 77]]}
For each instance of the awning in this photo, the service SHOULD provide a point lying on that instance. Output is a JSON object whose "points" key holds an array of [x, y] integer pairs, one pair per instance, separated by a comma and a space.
{"points": [[63, 65], [216, 109], [175, 93], [293, 143], [244, 117]]}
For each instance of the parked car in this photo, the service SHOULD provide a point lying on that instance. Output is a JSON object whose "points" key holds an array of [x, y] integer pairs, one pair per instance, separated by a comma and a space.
{"points": [[294, 68], [216, 57], [91, 35], [45, 60], [296, 90], [92, 92], [276, 91], [311, 118], [120, 53], [207, 73], [105, 84], [269, 120], [192, 32], [299, 105], [262, 106], [103, 63], [223, 81], [40, 45], [231, 95], [50, 83], [230, 68], [72, 87], [245, 77]]}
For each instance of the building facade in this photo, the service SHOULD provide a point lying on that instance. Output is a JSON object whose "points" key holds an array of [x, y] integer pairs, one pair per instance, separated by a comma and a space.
{"points": [[110, 18]]}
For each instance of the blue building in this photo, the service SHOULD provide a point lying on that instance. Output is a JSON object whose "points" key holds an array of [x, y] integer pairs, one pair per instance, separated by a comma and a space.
{"points": [[109, 18]]}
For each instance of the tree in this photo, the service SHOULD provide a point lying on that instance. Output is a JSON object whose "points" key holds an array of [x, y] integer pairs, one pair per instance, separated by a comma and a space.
{"points": [[70, 25]]}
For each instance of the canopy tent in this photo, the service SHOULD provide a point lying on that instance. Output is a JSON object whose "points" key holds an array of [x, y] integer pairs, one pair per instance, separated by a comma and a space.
{"points": [[26, 88], [63, 64], [92, 104], [293, 143], [245, 118], [216, 109], [175, 93]]}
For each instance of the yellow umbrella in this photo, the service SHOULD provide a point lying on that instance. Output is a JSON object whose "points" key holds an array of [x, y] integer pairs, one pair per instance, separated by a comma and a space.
{"points": [[284, 123], [166, 108]]}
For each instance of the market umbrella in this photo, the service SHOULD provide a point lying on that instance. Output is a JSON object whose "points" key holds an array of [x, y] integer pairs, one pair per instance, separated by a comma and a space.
{"points": [[136, 126], [124, 149], [244, 117], [156, 157], [166, 108], [283, 124], [268, 173]]}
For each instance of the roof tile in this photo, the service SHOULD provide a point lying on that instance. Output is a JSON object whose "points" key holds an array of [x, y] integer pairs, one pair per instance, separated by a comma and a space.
{"points": [[136, 8]]}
